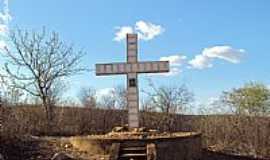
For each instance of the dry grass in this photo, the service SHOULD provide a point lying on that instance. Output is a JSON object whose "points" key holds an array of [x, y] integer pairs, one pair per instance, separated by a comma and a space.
{"points": [[82, 144], [235, 134]]}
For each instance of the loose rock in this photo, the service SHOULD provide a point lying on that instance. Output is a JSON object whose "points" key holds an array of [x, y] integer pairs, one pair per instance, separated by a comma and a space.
{"points": [[120, 129], [61, 156], [142, 129]]}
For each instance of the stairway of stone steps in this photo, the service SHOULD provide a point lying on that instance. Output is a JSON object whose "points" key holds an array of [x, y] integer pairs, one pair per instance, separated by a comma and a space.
{"points": [[132, 151]]}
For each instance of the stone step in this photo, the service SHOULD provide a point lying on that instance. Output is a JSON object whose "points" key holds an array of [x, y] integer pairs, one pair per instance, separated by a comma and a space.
{"points": [[133, 149], [133, 144], [133, 155]]}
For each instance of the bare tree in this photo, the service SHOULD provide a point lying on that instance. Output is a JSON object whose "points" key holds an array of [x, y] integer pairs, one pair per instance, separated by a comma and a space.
{"points": [[88, 97], [173, 99], [107, 101], [168, 100], [116, 98], [10, 95], [38, 61], [120, 95], [1, 100], [146, 105]]}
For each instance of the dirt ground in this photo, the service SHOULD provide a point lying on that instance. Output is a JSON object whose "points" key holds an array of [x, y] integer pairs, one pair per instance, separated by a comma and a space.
{"points": [[34, 148]]}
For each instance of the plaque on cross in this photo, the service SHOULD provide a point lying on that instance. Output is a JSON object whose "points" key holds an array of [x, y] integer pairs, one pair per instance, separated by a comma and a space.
{"points": [[132, 68]]}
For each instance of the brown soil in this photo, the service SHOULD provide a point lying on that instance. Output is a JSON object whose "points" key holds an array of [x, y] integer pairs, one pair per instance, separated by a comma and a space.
{"points": [[35, 148]]}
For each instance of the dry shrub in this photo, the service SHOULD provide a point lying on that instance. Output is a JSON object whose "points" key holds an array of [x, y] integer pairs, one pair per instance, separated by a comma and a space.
{"points": [[237, 134], [86, 145], [67, 121], [23, 120], [248, 135]]}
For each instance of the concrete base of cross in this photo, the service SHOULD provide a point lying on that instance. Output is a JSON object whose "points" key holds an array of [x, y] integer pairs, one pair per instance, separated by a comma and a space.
{"points": [[126, 131], [157, 145]]}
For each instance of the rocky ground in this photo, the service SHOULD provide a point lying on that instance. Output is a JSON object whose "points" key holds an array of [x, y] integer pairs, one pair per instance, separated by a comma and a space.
{"points": [[34, 148]]}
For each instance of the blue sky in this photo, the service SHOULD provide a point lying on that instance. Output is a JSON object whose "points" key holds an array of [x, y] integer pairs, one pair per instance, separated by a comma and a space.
{"points": [[230, 38]]}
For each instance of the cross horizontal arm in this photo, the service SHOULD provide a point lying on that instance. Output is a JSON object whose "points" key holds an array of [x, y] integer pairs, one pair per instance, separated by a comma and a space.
{"points": [[125, 68]]}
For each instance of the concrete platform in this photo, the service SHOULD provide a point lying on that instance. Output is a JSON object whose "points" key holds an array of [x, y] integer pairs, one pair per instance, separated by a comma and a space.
{"points": [[160, 146]]}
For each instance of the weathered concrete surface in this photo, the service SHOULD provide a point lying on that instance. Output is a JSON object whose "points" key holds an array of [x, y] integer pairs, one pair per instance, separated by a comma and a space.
{"points": [[114, 151], [132, 68], [151, 151], [186, 146], [189, 148]]}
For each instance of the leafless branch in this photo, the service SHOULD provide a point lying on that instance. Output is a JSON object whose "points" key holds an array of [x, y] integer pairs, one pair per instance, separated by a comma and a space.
{"points": [[38, 60]]}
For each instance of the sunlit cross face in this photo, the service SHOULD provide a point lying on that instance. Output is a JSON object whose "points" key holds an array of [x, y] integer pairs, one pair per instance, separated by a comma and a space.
{"points": [[132, 68]]}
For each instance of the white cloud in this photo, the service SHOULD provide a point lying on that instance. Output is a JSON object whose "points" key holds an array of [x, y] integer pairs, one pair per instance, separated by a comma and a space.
{"points": [[175, 60], [173, 72], [224, 52], [3, 45], [145, 30], [122, 32], [201, 62], [5, 18], [227, 53], [104, 92]]}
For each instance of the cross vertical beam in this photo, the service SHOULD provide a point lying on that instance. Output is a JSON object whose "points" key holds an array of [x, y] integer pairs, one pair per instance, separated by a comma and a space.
{"points": [[132, 81], [132, 68]]}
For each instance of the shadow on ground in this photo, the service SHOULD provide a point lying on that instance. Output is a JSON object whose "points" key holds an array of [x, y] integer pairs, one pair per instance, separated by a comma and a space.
{"points": [[25, 148], [33, 148]]}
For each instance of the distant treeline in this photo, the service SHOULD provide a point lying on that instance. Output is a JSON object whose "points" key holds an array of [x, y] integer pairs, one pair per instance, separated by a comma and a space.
{"points": [[236, 134]]}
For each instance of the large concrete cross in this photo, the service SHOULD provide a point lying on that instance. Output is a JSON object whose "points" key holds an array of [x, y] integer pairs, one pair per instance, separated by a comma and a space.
{"points": [[131, 69]]}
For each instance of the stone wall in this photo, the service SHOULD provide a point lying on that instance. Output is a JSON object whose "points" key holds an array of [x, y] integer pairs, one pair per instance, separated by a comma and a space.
{"points": [[189, 148]]}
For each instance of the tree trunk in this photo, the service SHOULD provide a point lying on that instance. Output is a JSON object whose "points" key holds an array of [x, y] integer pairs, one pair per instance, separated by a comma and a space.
{"points": [[48, 112]]}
